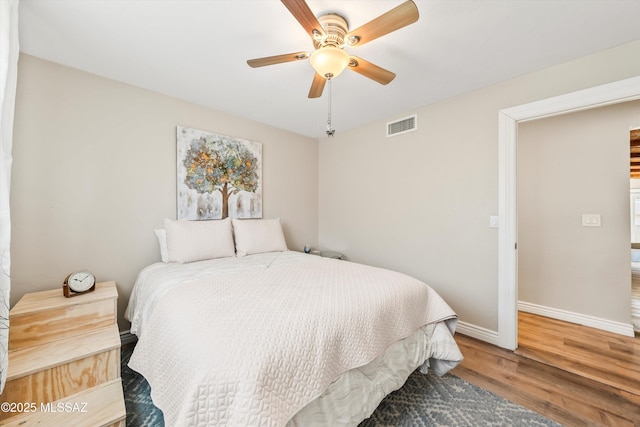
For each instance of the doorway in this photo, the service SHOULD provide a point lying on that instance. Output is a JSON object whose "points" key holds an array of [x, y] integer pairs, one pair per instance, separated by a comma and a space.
{"points": [[624, 90], [573, 216]]}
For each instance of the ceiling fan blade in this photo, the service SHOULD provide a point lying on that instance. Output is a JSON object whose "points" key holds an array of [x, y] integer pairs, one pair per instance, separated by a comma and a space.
{"points": [[303, 14], [317, 86], [396, 18], [278, 59], [370, 70]]}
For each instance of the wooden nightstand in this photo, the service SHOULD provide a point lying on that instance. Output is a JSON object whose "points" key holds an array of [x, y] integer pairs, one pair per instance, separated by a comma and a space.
{"points": [[64, 360]]}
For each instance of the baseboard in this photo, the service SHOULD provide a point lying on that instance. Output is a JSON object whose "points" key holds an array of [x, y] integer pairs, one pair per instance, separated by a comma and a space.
{"points": [[477, 332], [625, 329], [126, 337]]}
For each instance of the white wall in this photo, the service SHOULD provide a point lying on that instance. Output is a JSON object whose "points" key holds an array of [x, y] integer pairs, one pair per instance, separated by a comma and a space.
{"points": [[420, 202], [571, 165], [94, 173]]}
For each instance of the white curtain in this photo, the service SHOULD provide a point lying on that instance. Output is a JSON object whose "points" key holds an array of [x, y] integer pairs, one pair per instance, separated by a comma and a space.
{"points": [[8, 77]]}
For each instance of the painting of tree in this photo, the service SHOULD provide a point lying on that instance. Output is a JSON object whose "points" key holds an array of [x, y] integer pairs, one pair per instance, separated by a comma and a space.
{"points": [[218, 176]]}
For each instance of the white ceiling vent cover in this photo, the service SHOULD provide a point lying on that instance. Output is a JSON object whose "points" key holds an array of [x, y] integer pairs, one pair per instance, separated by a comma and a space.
{"points": [[408, 124]]}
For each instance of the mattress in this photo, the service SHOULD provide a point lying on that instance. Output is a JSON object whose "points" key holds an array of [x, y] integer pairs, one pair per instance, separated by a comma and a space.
{"points": [[271, 339]]}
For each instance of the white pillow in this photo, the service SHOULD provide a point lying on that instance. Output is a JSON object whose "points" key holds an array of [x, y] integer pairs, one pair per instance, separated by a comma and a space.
{"points": [[189, 241], [161, 234], [254, 236]]}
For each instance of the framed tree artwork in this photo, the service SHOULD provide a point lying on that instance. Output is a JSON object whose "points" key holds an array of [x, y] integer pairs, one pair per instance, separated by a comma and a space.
{"points": [[219, 176]]}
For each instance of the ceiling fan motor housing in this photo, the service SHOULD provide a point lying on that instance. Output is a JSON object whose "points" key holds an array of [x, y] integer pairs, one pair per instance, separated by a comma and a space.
{"points": [[335, 28]]}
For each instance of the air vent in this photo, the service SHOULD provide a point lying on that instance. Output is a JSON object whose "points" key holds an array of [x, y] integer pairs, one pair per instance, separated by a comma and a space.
{"points": [[408, 124]]}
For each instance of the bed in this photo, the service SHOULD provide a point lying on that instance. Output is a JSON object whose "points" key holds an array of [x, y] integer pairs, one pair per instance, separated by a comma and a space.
{"points": [[271, 337]]}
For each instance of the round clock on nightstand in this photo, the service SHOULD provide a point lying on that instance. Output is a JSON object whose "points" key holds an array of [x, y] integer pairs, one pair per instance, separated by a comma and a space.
{"points": [[78, 283]]}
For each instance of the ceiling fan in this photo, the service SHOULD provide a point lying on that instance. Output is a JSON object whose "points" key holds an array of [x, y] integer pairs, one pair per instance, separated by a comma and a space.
{"points": [[330, 35]]}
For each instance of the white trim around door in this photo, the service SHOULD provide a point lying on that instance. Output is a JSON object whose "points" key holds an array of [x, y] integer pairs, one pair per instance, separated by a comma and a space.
{"points": [[508, 119]]}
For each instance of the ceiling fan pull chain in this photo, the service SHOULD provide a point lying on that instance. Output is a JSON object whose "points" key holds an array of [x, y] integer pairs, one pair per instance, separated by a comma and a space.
{"points": [[330, 131]]}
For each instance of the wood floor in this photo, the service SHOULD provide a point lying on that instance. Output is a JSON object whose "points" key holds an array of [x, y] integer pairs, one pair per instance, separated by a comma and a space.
{"points": [[572, 374]]}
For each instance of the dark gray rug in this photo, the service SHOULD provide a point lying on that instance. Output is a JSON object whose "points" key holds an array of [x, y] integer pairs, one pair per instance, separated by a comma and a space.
{"points": [[424, 400]]}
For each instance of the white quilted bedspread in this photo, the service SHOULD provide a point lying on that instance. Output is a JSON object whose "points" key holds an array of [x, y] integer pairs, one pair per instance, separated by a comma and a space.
{"points": [[250, 348]]}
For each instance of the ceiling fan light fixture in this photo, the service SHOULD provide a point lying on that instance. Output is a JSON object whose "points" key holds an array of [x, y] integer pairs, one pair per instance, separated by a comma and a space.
{"points": [[329, 61]]}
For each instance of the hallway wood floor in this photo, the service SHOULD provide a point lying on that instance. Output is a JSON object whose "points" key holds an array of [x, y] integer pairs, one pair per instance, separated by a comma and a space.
{"points": [[572, 374], [602, 356]]}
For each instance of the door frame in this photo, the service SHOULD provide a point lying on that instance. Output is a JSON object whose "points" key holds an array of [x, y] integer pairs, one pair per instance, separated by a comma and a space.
{"points": [[508, 119]]}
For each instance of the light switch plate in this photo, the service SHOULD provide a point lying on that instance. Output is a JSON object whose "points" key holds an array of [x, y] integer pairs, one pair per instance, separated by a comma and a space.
{"points": [[591, 220], [493, 222]]}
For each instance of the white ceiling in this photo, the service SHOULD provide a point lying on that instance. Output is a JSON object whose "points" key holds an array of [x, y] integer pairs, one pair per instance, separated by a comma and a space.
{"points": [[196, 50]]}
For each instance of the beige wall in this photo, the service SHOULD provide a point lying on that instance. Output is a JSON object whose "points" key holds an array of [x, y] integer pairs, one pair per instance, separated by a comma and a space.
{"points": [[94, 173], [420, 202], [571, 165]]}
